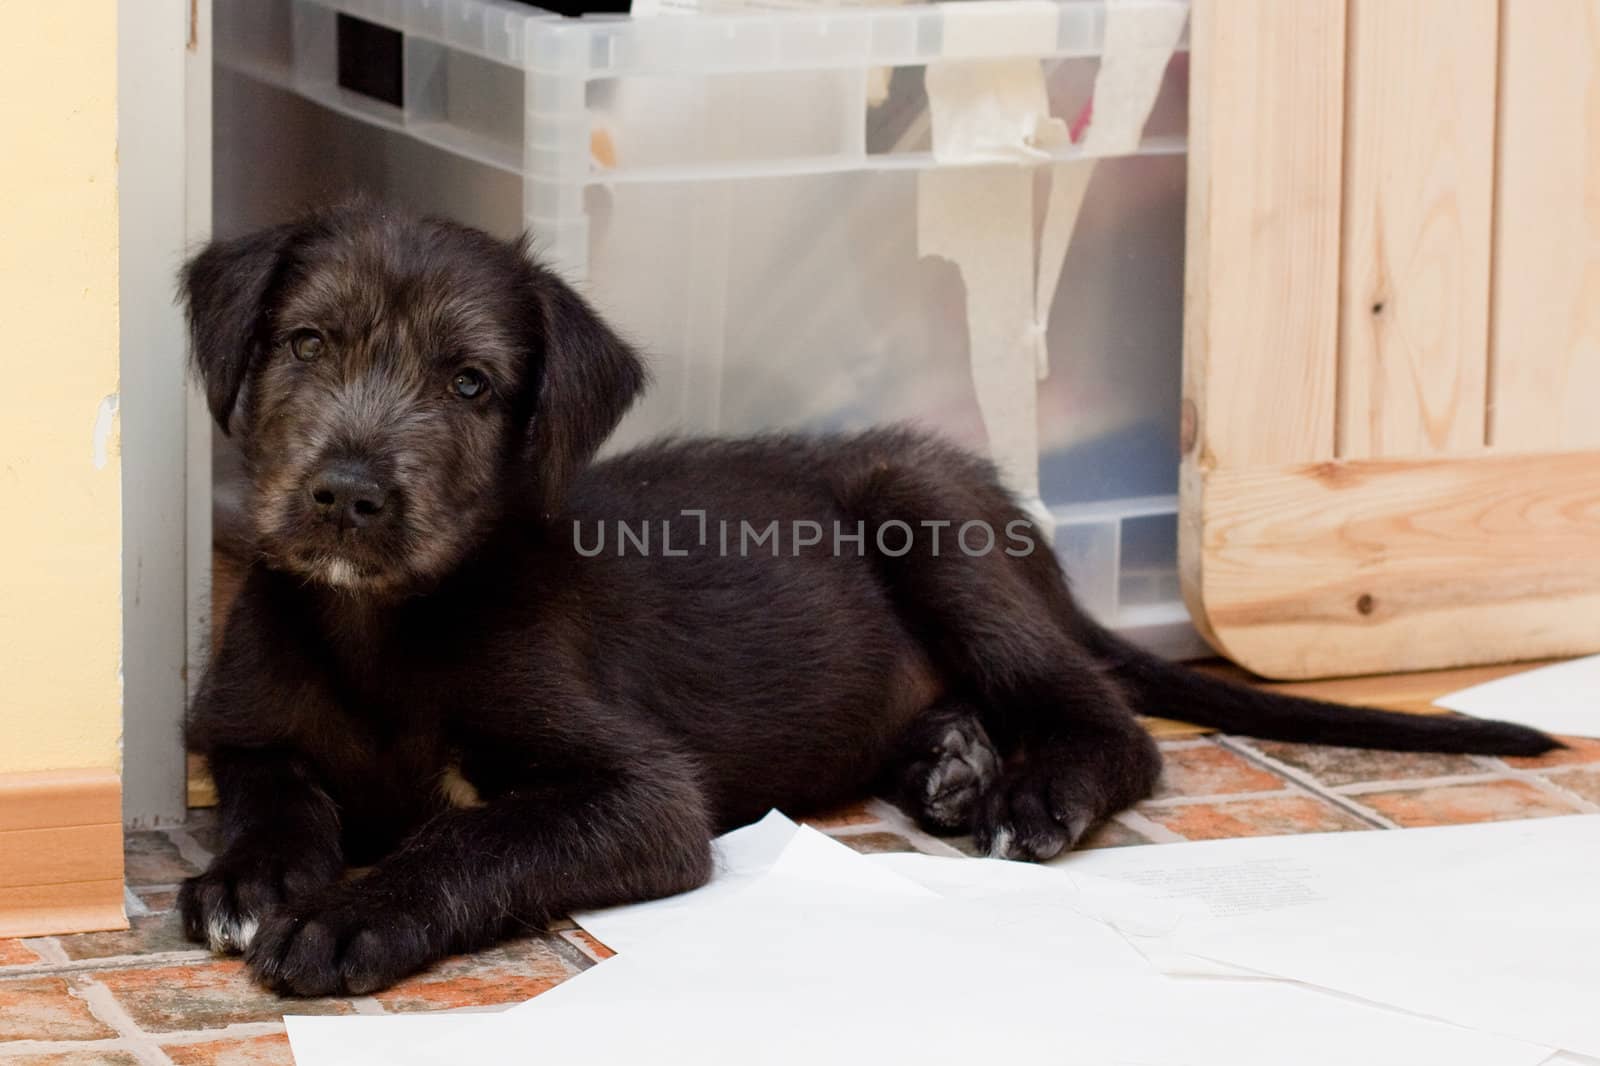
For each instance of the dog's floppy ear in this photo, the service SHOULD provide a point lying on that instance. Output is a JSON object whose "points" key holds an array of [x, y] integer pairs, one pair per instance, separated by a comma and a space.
{"points": [[590, 377], [225, 290]]}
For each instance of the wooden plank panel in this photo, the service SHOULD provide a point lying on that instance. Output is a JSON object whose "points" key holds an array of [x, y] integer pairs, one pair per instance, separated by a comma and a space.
{"points": [[59, 855], [45, 910], [1261, 288], [49, 798], [1419, 170], [1391, 565], [1545, 361]]}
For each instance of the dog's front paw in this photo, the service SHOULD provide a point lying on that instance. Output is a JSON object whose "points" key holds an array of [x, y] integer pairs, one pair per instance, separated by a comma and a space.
{"points": [[337, 943], [225, 906]]}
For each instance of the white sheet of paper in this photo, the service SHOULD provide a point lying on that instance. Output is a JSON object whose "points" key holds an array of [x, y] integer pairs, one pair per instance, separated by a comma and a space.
{"points": [[740, 857], [1228, 880], [1563, 699], [1506, 939], [829, 952], [792, 972]]}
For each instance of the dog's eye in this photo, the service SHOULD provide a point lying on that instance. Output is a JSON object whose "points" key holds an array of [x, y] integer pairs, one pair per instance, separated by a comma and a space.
{"points": [[469, 384], [306, 344]]}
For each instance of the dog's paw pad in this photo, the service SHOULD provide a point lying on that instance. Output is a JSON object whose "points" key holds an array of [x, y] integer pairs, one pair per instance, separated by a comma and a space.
{"points": [[944, 788]]}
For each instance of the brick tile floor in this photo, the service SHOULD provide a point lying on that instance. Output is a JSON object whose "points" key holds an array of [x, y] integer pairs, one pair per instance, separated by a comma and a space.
{"points": [[145, 996]]}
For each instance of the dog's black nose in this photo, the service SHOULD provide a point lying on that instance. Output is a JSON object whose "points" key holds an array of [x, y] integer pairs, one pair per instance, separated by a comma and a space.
{"points": [[349, 493]]}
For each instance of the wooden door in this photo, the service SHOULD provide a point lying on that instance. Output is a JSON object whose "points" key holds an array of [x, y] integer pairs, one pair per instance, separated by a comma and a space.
{"points": [[1392, 357]]}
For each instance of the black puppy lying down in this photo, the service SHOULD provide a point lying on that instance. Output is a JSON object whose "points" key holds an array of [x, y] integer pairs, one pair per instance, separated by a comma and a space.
{"points": [[438, 666]]}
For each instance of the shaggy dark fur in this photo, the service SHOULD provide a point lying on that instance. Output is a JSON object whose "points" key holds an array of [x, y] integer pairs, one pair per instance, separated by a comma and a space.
{"points": [[434, 667]]}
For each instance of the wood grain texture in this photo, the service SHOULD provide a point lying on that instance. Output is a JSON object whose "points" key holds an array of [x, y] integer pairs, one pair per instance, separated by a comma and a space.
{"points": [[1545, 355], [1262, 266], [60, 852], [1419, 172], [48, 910], [51, 798], [1374, 566]]}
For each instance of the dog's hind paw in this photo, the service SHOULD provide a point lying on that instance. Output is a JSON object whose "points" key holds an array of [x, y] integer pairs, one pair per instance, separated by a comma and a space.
{"points": [[1030, 816], [956, 765]]}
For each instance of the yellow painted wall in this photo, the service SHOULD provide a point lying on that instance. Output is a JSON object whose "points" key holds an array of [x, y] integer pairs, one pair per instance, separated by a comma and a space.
{"points": [[60, 501]]}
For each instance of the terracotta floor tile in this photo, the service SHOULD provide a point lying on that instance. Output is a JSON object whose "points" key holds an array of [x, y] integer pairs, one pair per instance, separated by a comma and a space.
{"points": [[855, 814], [1347, 766], [1578, 750], [269, 1050], [588, 945], [152, 859], [875, 843], [207, 995], [1267, 816], [1492, 801], [16, 953], [510, 973], [145, 935], [1585, 783], [44, 1008], [1110, 835], [89, 1056], [157, 899], [1212, 771]]}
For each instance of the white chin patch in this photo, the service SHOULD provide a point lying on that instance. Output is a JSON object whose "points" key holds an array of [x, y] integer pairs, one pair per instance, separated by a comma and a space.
{"points": [[341, 575], [230, 935]]}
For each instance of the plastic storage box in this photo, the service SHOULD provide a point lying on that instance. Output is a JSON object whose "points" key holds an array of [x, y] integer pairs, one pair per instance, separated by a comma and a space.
{"points": [[968, 215]]}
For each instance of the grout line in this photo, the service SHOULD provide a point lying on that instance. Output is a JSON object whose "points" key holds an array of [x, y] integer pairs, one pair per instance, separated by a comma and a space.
{"points": [[1362, 788], [1308, 783], [366, 1005], [232, 1031], [571, 939], [1185, 744], [1151, 830], [1555, 771], [1218, 797], [133, 905], [31, 1048], [1552, 787], [189, 848], [103, 1005], [898, 821], [64, 965], [50, 953], [570, 948]]}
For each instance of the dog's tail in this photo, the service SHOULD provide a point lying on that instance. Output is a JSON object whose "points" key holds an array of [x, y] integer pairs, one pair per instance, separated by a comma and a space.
{"points": [[1170, 690]]}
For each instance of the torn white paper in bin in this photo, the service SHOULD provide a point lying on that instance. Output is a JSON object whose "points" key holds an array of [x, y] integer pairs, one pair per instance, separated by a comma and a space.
{"points": [[1139, 43], [1563, 699], [981, 219]]}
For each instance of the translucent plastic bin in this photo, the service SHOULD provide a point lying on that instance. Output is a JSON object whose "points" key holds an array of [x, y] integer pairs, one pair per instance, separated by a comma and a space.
{"points": [[739, 194]]}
